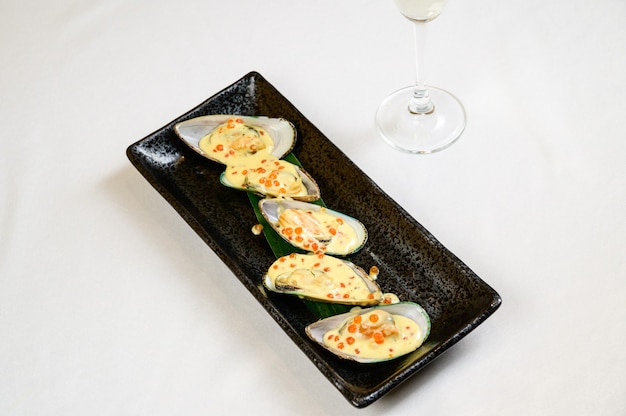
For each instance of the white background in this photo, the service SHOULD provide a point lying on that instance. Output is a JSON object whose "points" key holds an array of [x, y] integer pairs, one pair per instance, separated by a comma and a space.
{"points": [[111, 305]]}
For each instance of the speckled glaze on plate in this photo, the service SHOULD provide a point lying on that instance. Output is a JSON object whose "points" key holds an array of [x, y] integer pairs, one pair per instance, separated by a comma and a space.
{"points": [[412, 263]]}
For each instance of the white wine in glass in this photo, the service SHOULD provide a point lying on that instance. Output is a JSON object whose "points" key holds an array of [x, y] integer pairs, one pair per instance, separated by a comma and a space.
{"points": [[420, 119]]}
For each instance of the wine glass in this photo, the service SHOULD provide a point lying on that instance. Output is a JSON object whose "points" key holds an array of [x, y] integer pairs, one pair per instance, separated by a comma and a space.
{"points": [[420, 119]]}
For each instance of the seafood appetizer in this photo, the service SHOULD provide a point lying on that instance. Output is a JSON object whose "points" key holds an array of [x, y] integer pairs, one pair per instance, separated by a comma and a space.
{"points": [[266, 175], [318, 276], [312, 227], [252, 148], [224, 138], [374, 334]]}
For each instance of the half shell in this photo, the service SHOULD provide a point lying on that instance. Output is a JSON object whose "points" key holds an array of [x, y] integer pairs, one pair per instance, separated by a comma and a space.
{"points": [[282, 132], [314, 228], [322, 278], [399, 329], [299, 184]]}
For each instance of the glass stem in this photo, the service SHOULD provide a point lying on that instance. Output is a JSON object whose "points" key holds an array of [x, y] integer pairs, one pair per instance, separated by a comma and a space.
{"points": [[420, 103]]}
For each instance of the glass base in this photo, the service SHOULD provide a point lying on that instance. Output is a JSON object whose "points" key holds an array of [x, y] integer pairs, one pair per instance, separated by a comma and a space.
{"points": [[421, 133]]}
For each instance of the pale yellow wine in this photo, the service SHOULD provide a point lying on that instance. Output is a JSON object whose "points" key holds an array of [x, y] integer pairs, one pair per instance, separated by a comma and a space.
{"points": [[422, 10]]}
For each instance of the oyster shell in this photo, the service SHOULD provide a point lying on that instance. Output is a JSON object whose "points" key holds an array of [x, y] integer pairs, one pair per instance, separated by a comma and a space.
{"points": [[241, 136], [375, 334], [268, 176], [314, 228], [321, 277]]}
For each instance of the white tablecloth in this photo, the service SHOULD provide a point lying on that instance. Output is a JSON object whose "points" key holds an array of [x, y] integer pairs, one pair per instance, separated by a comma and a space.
{"points": [[111, 305]]}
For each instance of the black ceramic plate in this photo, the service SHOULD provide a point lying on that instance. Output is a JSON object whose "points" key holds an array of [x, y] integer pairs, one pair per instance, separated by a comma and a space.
{"points": [[412, 263]]}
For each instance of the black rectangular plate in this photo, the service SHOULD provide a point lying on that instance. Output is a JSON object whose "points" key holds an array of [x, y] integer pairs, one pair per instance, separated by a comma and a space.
{"points": [[412, 263]]}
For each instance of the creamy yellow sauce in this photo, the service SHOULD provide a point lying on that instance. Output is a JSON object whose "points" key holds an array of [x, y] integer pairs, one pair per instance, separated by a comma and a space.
{"points": [[266, 174], [235, 140], [317, 231], [376, 334], [321, 277], [390, 298]]}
